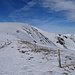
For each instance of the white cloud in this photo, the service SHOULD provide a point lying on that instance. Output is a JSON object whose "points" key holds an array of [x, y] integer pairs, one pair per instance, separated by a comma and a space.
{"points": [[20, 13], [61, 5], [68, 6], [28, 6]]}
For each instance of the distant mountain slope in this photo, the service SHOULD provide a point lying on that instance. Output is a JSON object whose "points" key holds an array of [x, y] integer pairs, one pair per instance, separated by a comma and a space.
{"points": [[61, 40]]}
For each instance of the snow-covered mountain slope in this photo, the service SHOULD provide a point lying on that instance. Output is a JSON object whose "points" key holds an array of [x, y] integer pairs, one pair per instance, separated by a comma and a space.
{"points": [[27, 50], [61, 40], [21, 31]]}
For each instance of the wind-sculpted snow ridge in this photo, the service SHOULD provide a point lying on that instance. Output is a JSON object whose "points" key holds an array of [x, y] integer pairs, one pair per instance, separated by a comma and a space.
{"points": [[27, 50]]}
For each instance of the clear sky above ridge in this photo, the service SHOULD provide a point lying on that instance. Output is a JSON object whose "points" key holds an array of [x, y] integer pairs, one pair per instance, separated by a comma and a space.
{"points": [[56, 16]]}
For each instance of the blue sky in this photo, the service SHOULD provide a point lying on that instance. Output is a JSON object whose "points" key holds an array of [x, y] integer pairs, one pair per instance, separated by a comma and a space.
{"points": [[56, 16]]}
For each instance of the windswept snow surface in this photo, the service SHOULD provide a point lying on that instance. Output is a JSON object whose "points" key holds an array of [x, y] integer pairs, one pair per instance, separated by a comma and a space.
{"points": [[27, 50]]}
